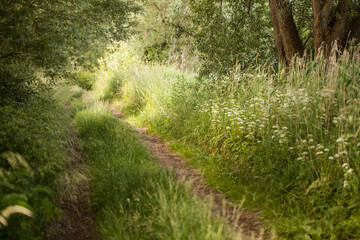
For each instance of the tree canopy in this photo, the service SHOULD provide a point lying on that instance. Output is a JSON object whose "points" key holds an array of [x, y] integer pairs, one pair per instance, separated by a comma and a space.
{"points": [[52, 37]]}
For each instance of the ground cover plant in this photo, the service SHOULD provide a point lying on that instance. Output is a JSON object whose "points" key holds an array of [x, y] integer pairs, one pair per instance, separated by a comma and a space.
{"points": [[288, 140], [132, 196], [33, 148]]}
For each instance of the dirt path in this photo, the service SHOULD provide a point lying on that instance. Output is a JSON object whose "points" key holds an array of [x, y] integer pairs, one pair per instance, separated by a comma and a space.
{"points": [[246, 223], [76, 222]]}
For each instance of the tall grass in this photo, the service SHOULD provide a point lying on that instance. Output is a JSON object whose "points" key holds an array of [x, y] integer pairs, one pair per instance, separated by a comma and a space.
{"points": [[289, 141], [33, 140], [133, 197]]}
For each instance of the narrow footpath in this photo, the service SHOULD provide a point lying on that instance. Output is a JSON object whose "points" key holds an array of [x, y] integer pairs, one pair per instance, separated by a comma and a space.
{"points": [[76, 221], [245, 223]]}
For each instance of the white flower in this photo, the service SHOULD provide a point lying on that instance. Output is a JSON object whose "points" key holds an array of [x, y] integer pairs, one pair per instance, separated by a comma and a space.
{"points": [[336, 156], [346, 183], [228, 127], [349, 172], [299, 158], [345, 165], [331, 158], [305, 153], [326, 150], [280, 141], [291, 148], [340, 140], [343, 153], [320, 153], [284, 128]]}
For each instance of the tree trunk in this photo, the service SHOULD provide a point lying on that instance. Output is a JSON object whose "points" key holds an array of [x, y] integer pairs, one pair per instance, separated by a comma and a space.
{"points": [[276, 27], [287, 38], [326, 30]]}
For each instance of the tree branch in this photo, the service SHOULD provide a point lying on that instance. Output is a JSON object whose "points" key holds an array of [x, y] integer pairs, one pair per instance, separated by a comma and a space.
{"points": [[10, 54]]}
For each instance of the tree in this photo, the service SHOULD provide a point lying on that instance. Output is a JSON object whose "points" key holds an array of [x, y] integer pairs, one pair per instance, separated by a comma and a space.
{"points": [[231, 32], [332, 21], [51, 37]]}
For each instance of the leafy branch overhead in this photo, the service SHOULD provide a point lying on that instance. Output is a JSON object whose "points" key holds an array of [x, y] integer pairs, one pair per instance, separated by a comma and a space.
{"points": [[56, 36]]}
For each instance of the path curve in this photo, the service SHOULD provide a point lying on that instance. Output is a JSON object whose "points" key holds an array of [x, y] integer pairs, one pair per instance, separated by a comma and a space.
{"points": [[245, 223]]}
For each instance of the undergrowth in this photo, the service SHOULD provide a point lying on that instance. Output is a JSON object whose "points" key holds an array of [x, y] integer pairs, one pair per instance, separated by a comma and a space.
{"points": [[133, 197], [288, 141], [33, 139]]}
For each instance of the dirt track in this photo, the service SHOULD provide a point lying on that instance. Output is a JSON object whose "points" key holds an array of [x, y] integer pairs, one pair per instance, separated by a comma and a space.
{"points": [[246, 223], [77, 221]]}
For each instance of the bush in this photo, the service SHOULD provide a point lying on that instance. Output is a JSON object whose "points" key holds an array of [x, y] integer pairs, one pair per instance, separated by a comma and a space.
{"points": [[33, 139]]}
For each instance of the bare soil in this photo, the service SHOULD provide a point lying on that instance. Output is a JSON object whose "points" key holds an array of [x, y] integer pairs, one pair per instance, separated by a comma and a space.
{"points": [[76, 222]]}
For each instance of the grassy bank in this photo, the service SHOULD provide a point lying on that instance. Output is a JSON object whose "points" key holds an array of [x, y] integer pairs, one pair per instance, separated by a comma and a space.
{"points": [[33, 148], [289, 142], [133, 197]]}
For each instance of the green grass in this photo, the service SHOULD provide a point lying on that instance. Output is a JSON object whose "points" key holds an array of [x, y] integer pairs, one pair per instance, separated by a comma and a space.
{"points": [[33, 148], [133, 197], [288, 141]]}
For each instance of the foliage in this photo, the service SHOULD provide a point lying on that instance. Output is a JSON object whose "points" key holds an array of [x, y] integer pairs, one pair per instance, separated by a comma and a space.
{"points": [[33, 138], [51, 38], [229, 33], [132, 196], [162, 33], [84, 79], [289, 141]]}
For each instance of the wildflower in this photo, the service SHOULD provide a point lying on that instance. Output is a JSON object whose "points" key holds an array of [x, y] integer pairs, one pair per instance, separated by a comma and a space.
{"points": [[280, 141], [305, 153], [291, 148], [336, 156], [349, 172], [284, 128], [343, 153], [345, 165], [282, 135], [346, 183], [320, 153], [300, 158], [228, 127], [326, 150], [311, 140], [331, 158], [340, 140]]}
